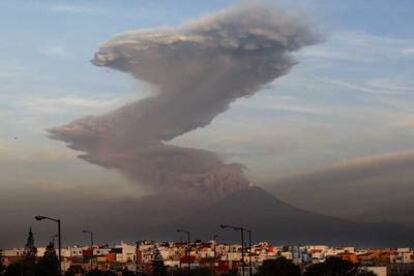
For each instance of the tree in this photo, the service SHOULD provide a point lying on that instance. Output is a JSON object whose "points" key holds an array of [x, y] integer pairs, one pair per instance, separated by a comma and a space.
{"points": [[199, 271], [97, 272], [14, 269], [279, 267], [158, 267], [30, 249], [2, 267], [126, 272], [74, 270], [337, 267], [28, 263], [232, 272], [367, 273], [48, 265]]}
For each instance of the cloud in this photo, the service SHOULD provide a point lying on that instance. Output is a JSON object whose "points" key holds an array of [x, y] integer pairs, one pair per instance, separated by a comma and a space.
{"points": [[76, 9], [72, 104], [278, 104], [10, 72], [405, 122], [199, 69], [55, 51], [26, 158], [359, 47], [375, 184], [389, 84], [383, 86], [408, 51]]}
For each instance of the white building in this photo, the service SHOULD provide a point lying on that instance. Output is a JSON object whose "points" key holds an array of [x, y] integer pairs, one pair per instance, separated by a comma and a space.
{"points": [[378, 270], [12, 252], [128, 252]]}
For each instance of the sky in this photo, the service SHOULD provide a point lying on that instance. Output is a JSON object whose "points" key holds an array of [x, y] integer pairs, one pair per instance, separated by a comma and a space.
{"points": [[349, 98]]}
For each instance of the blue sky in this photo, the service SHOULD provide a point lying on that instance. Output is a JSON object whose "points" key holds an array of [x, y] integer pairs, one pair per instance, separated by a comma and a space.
{"points": [[349, 97]]}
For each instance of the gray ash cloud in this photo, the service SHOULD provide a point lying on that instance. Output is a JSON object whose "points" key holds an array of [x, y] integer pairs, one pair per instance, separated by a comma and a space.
{"points": [[198, 70]]}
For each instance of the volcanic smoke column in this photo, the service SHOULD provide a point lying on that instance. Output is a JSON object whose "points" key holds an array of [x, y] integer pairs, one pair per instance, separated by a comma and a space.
{"points": [[199, 69]]}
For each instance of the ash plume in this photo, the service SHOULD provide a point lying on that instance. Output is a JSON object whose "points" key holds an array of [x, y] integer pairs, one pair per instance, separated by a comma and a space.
{"points": [[198, 70]]}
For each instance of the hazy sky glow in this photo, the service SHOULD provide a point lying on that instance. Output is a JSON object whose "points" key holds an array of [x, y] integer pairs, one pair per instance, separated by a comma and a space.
{"points": [[349, 97]]}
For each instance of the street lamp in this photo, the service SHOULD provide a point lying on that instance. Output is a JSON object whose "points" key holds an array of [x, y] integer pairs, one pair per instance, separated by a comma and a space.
{"points": [[215, 244], [188, 245], [241, 229], [39, 218], [91, 239], [213, 269], [250, 251]]}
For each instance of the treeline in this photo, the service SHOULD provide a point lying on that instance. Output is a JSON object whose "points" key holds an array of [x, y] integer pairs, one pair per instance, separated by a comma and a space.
{"points": [[29, 265], [48, 265]]}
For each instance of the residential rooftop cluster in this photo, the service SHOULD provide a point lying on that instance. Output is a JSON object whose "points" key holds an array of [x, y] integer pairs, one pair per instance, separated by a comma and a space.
{"points": [[220, 258]]}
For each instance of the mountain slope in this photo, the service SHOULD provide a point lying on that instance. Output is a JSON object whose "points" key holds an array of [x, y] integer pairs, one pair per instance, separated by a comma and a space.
{"points": [[275, 221], [370, 189]]}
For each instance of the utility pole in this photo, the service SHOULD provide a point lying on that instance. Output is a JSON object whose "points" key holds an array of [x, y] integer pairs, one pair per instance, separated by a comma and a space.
{"points": [[241, 229], [187, 251], [39, 218], [91, 243], [242, 250], [213, 267], [250, 252]]}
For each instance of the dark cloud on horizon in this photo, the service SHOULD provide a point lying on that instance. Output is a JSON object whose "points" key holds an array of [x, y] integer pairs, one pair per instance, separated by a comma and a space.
{"points": [[373, 188], [123, 218], [112, 218], [197, 71]]}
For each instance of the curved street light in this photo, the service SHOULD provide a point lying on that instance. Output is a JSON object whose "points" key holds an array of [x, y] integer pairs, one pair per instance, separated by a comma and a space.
{"points": [[39, 218], [242, 230]]}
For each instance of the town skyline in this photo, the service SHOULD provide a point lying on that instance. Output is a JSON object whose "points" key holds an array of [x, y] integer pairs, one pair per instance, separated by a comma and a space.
{"points": [[216, 257], [318, 119]]}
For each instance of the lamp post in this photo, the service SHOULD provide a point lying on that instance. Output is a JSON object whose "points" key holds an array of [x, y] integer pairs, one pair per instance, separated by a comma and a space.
{"points": [[215, 245], [241, 229], [188, 245], [39, 218], [213, 268], [91, 240], [250, 251], [138, 260]]}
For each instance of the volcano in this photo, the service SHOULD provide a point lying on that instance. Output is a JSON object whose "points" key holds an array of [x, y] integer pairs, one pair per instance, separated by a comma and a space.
{"points": [[275, 221]]}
